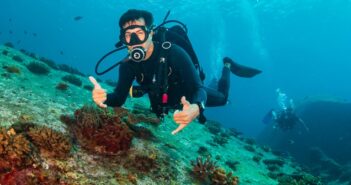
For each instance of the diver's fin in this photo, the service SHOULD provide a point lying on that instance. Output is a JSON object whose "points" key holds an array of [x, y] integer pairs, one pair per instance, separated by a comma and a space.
{"points": [[240, 70]]}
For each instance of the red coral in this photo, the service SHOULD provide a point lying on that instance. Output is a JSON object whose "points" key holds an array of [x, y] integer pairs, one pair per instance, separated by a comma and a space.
{"points": [[98, 131], [29, 176]]}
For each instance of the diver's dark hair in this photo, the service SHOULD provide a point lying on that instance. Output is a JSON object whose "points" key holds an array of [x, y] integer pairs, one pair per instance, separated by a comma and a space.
{"points": [[134, 14]]}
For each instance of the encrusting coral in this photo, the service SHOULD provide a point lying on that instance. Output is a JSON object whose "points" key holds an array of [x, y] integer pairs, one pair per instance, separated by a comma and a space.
{"points": [[99, 131], [15, 150], [50, 142]]}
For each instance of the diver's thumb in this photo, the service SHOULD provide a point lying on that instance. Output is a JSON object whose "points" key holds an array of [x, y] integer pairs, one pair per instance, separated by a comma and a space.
{"points": [[185, 103], [94, 82]]}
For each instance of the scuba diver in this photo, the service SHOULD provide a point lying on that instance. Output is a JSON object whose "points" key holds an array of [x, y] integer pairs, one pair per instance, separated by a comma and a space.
{"points": [[285, 118], [165, 66]]}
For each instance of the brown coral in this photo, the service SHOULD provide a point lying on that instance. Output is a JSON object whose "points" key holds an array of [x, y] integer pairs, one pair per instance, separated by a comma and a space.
{"points": [[14, 150], [62, 86], [202, 169], [50, 142], [143, 163], [99, 131], [12, 69], [220, 177]]}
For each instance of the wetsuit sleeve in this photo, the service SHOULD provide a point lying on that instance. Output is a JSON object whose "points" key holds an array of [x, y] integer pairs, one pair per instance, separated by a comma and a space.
{"points": [[120, 93], [189, 76]]}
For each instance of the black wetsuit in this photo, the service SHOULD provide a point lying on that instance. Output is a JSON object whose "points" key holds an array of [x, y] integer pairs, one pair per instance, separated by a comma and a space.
{"points": [[183, 80]]}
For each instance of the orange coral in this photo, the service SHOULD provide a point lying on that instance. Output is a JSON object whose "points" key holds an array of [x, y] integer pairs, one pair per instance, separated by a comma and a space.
{"points": [[50, 142], [220, 177], [14, 150]]}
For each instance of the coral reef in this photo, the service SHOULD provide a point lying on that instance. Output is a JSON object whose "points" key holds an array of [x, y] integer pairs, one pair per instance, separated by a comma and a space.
{"points": [[49, 62], [232, 164], [73, 80], [250, 148], [30, 176], [221, 139], [98, 131], [29, 54], [126, 178], [298, 179], [142, 163], [12, 69], [15, 150], [220, 177], [38, 68], [69, 69], [203, 151], [203, 169], [62, 86], [50, 142], [17, 58], [209, 173], [257, 158], [213, 127]]}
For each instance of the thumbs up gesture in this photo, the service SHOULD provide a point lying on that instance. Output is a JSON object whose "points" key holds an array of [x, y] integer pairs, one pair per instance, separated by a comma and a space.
{"points": [[99, 94], [184, 117]]}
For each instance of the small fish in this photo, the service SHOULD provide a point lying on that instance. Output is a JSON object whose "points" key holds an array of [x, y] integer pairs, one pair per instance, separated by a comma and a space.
{"points": [[77, 18], [34, 34], [61, 52], [291, 141], [25, 32], [10, 20], [10, 31]]}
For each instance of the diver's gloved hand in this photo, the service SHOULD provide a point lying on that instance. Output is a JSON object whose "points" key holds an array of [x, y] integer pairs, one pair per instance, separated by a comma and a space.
{"points": [[99, 94], [187, 115]]}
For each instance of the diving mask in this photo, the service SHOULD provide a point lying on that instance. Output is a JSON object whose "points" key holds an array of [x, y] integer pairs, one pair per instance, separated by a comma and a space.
{"points": [[134, 35]]}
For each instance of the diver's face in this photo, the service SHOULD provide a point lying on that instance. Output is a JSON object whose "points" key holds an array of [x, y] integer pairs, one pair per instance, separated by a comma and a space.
{"points": [[140, 33]]}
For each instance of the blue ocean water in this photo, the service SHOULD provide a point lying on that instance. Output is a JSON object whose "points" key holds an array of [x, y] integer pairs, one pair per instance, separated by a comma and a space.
{"points": [[303, 47]]}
